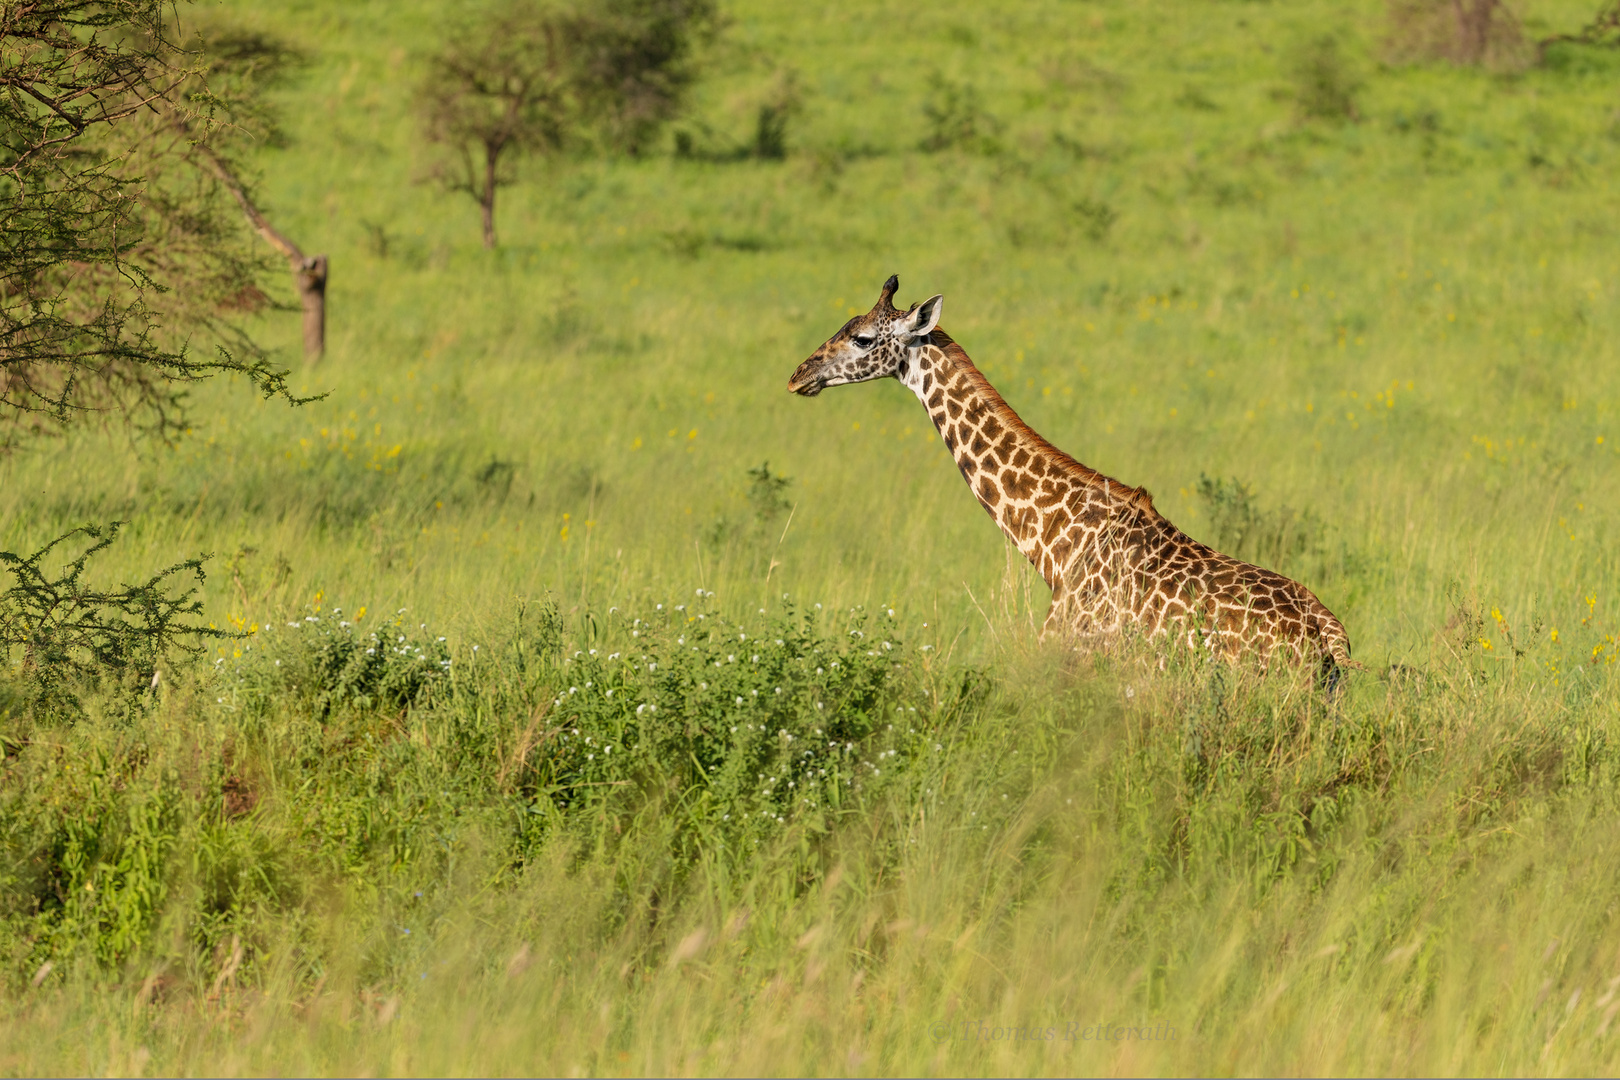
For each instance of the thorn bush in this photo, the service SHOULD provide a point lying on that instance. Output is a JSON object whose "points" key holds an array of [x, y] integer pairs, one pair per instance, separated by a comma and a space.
{"points": [[61, 635]]}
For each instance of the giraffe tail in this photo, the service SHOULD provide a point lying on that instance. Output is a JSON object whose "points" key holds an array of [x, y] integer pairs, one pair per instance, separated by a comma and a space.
{"points": [[1335, 645]]}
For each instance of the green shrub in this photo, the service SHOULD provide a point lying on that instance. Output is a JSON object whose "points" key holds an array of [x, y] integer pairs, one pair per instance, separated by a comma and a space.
{"points": [[62, 635], [1324, 85], [955, 118], [755, 726], [332, 663]]}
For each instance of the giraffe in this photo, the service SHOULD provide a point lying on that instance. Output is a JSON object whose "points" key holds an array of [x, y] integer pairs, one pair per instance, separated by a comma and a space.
{"points": [[1111, 559]]}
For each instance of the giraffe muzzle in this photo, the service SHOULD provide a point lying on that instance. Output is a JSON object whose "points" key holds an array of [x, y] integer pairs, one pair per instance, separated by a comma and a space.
{"points": [[807, 382]]}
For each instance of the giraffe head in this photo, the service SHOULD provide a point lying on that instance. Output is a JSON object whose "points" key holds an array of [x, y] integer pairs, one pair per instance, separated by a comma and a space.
{"points": [[871, 346]]}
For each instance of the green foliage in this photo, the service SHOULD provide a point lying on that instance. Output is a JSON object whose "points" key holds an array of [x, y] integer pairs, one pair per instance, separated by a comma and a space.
{"points": [[531, 77], [1096, 216], [1271, 538], [89, 880], [782, 105], [329, 663], [748, 729], [1324, 87], [768, 492], [116, 252], [61, 635], [636, 62], [955, 118]]}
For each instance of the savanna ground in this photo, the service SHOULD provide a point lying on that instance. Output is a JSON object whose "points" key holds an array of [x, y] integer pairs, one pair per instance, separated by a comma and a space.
{"points": [[660, 765]]}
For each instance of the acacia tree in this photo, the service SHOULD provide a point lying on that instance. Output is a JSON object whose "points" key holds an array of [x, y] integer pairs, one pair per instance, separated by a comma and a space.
{"points": [[114, 251], [534, 77], [635, 61], [500, 86]]}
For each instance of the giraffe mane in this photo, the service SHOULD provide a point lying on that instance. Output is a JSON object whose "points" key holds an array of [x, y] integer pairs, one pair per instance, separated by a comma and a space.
{"points": [[1140, 496]]}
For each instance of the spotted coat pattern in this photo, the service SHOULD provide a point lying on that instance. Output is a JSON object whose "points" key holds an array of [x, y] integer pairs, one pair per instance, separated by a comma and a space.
{"points": [[1111, 559]]}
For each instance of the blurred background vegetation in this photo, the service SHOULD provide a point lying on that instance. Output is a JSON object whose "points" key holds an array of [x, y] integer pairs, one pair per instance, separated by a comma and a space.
{"points": [[1336, 282]]}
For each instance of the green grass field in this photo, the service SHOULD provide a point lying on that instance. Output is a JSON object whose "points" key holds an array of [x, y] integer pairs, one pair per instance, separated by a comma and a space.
{"points": [[1376, 354]]}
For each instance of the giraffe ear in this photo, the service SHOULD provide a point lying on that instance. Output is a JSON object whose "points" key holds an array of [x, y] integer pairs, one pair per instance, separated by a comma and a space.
{"points": [[921, 320]]}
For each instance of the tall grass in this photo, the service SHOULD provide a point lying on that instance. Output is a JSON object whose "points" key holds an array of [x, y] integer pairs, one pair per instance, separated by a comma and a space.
{"points": [[1202, 864], [1375, 353]]}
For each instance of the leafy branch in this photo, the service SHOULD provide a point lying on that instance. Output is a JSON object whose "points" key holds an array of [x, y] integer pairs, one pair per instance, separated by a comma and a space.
{"points": [[69, 634]]}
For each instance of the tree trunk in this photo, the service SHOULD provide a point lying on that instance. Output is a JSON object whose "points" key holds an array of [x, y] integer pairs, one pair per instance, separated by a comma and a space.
{"points": [[486, 201], [310, 277], [309, 272]]}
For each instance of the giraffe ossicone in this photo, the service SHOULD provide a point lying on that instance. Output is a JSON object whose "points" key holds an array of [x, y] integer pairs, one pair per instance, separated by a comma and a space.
{"points": [[1111, 559]]}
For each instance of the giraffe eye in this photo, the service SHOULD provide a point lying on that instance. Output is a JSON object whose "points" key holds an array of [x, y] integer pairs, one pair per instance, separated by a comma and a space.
{"points": [[865, 342]]}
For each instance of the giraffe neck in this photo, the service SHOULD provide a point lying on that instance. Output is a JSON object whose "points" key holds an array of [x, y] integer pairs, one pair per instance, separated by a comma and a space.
{"points": [[1031, 489]]}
